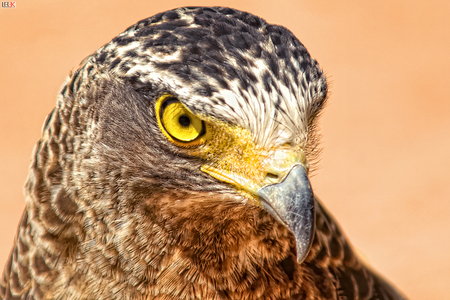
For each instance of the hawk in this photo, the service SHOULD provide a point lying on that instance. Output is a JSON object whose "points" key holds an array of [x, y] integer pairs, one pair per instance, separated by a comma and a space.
{"points": [[175, 166]]}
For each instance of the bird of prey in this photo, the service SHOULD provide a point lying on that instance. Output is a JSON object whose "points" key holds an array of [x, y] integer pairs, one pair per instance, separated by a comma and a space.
{"points": [[175, 166]]}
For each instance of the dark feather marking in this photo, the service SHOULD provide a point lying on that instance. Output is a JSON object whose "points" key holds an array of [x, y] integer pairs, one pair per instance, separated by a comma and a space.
{"points": [[288, 266]]}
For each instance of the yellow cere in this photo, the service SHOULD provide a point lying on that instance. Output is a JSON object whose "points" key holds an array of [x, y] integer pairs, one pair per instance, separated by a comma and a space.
{"points": [[233, 157]]}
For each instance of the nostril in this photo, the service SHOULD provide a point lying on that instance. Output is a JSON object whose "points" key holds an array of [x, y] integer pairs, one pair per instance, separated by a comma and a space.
{"points": [[272, 176]]}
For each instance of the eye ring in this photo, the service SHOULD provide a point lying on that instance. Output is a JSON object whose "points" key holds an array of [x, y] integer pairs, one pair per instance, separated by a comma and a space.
{"points": [[178, 124]]}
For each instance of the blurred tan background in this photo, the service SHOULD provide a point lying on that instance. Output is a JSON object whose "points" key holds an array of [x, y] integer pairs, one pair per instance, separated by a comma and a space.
{"points": [[384, 172]]}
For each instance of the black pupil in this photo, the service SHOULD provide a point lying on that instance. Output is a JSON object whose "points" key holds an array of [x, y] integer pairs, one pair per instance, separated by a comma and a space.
{"points": [[184, 121]]}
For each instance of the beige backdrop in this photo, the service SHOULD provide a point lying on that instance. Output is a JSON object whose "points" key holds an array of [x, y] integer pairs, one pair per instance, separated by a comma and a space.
{"points": [[385, 166]]}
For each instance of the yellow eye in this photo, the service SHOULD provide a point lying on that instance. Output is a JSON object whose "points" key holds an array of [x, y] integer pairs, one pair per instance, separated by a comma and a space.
{"points": [[178, 124]]}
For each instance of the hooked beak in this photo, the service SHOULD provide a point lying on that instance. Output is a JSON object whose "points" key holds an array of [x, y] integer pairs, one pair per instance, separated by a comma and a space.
{"points": [[291, 202], [278, 179]]}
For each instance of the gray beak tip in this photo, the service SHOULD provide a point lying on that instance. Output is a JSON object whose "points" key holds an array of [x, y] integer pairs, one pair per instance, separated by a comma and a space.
{"points": [[292, 203]]}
